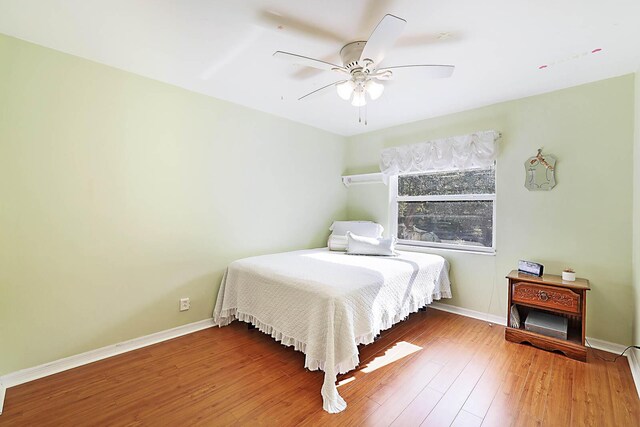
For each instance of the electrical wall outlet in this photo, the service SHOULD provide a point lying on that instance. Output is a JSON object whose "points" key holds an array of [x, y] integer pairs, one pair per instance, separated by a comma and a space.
{"points": [[185, 304]]}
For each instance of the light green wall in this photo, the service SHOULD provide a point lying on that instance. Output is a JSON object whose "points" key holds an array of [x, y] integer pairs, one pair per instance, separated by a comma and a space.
{"points": [[636, 211], [119, 195], [584, 222]]}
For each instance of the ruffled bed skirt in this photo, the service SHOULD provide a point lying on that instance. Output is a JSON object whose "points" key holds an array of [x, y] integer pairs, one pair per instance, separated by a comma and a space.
{"points": [[332, 401]]}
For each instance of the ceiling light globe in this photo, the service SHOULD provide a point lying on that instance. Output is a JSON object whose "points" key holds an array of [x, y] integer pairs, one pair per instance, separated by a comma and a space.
{"points": [[345, 89], [358, 99], [374, 89]]}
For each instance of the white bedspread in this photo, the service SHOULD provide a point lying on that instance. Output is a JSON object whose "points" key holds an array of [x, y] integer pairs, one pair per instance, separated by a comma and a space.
{"points": [[326, 303]]}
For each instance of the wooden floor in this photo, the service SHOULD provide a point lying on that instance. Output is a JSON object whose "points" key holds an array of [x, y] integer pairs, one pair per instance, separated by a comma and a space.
{"points": [[434, 369]]}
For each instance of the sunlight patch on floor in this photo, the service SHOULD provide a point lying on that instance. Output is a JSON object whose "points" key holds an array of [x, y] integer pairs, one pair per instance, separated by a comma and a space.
{"points": [[398, 351], [346, 381]]}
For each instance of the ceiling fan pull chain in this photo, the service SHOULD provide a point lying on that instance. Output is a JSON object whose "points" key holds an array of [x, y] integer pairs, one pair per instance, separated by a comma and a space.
{"points": [[359, 114], [366, 109]]}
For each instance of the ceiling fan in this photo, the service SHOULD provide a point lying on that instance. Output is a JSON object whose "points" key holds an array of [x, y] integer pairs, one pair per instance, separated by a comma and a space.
{"points": [[362, 74]]}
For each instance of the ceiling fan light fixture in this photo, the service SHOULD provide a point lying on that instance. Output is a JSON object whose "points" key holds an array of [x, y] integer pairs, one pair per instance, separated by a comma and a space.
{"points": [[359, 99], [345, 89], [374, 89], [362, 76]]}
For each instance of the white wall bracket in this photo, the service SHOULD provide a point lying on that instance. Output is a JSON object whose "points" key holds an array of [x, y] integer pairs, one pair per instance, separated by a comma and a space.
{"points": [[364, 178]]}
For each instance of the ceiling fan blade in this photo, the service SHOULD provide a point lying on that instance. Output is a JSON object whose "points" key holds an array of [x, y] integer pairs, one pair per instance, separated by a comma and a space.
{"points": [[427, 71], [308, 62], [302, 73], [371, 14], [320, 91], [441, 38], [285, 23], [382, 38]]}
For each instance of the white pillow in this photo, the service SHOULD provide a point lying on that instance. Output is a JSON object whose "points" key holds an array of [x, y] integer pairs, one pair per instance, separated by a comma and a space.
{"points": [[361, 228], [337, 243], [361, 245]]}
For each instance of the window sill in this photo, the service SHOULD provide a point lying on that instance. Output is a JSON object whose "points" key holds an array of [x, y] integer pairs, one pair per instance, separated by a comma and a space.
{"points": [[432, 249]]}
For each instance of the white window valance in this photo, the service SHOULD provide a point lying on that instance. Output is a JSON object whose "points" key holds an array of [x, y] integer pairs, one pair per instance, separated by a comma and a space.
{"points": [[475, 150]]}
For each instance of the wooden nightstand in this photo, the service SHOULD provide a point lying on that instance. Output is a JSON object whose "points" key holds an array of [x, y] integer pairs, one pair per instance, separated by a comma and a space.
{"points": [[549, 294]]}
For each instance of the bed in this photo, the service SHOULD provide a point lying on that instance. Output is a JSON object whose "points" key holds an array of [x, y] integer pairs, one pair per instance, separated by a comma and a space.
{"points": [[326, 303]]}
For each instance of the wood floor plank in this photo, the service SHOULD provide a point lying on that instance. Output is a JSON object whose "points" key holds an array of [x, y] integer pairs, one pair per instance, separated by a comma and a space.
{"points": [[558, 405], [592, 400], [625, 411], [449, 406], [485, 390], [436, 367], [467, 419], [356, 412], [405, 391], [415, 413], [375, 382], [505, 405], [412, 375], [536, 389], [448, 375]]}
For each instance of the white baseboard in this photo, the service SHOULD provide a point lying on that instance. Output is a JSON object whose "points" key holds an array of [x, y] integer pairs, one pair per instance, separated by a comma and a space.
{"points": [[2, 392], [487, 317], [634, 364], [499, 320], [41, 371], [30, 374], [611, 347]]}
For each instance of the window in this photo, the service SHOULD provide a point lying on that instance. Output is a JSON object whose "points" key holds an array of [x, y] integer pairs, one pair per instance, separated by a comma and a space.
{"points": [[453, 210]]}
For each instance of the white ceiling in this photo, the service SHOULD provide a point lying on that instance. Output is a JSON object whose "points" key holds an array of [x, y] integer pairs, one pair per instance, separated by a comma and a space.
{"points": [[223, 48]]}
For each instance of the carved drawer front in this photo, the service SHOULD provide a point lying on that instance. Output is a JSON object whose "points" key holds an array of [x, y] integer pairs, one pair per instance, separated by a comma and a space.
{"points": [[546, 296]]}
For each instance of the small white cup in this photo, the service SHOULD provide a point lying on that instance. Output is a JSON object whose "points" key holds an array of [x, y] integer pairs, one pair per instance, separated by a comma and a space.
{"points": [[568, 277]]}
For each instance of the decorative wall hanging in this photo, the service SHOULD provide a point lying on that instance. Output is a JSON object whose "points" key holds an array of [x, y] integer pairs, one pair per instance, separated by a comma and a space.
{"points": [[540, 172]]}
